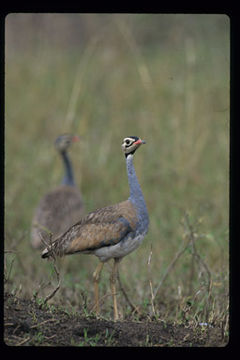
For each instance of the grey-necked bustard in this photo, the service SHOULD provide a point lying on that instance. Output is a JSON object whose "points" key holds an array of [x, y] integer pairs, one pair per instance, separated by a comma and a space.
{"points": [[110, 232], [59, 208]]}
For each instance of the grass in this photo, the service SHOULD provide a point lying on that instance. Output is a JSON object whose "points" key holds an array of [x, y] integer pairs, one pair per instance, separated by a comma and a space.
{"points": [[173, 93]]}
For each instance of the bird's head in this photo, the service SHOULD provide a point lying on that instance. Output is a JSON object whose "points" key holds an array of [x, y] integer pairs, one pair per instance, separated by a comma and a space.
{"points": [[63, 142], [130, 144]]}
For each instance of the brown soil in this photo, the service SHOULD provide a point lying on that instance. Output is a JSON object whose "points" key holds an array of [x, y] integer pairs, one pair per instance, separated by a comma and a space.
{"points": [[26, 324]]}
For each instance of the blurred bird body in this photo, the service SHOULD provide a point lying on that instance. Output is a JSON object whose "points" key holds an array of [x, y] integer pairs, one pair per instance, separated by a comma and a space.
{"points": [[61, 207]]}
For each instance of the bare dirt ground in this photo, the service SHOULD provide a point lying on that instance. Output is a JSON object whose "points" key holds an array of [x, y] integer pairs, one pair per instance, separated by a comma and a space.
{"points": [[27, 324]]}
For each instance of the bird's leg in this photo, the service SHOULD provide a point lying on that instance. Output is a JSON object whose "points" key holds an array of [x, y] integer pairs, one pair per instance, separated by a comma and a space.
{"points": [[113, 287], [96, 279]]}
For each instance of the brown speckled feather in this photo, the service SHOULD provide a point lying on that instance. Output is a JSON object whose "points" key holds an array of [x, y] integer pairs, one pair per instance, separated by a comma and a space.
{"points": [[57, 211], [103, 227]]}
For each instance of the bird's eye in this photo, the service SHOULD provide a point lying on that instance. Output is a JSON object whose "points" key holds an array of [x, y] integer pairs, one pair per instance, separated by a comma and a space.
{"points": [[127, 142]]}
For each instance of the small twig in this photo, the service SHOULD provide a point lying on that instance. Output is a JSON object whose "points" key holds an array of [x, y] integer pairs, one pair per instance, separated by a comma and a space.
{"points": [[43, 228], [48, 244], [133, 307], [41, 323], [101, 299], [50, 337], [16, 328], [50, 296], [40, 287], [23, 341], [53, 256], [192, 237], [195, 253], [171, 265]]}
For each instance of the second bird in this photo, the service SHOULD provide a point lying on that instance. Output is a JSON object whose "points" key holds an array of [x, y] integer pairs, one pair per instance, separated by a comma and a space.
{"points": [[59, 208]]}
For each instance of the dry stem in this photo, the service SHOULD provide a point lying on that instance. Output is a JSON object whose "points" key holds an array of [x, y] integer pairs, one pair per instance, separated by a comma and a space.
{"points": [[191, 237], [53, 256], [150, 281], [133, 307]]}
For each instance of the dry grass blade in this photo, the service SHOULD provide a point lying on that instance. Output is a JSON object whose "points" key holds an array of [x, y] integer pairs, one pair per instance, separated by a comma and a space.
{"points": [[42, 323], [140, 63], [133, 307], [50, 296], [78, 81], [7, 274], [171, 265], [53, 256], [150, 281], [23, 341], [191, 236]]}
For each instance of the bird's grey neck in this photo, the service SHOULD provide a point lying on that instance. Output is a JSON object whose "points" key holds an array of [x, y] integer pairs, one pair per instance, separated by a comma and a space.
{"points": [[136, 195], [68, 177]]}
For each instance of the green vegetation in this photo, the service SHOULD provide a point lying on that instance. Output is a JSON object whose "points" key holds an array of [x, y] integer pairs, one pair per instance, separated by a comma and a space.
{"points": [[164, 78]]}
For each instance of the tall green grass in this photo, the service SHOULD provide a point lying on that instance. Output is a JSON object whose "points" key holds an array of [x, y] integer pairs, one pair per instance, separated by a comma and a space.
{"points": [[172, 91]]}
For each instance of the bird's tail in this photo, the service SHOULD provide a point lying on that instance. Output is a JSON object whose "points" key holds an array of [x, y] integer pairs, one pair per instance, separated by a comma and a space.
{"points": [[46, 253]]}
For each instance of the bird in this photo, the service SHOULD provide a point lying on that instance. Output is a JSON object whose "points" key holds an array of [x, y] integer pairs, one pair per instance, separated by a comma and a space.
{"points": [[110, 232], [61, 207]]}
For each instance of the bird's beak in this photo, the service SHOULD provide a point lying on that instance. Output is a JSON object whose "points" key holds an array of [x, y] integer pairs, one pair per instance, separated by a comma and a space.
{"points": [[139, 142], [75, 138]]}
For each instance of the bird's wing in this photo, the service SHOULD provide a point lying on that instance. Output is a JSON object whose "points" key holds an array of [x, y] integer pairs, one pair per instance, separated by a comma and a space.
{"points": [[96, 235], [103, 227]]}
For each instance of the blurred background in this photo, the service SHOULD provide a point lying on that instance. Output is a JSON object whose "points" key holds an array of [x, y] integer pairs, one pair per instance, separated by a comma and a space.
{"points": [[164, 78]]}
